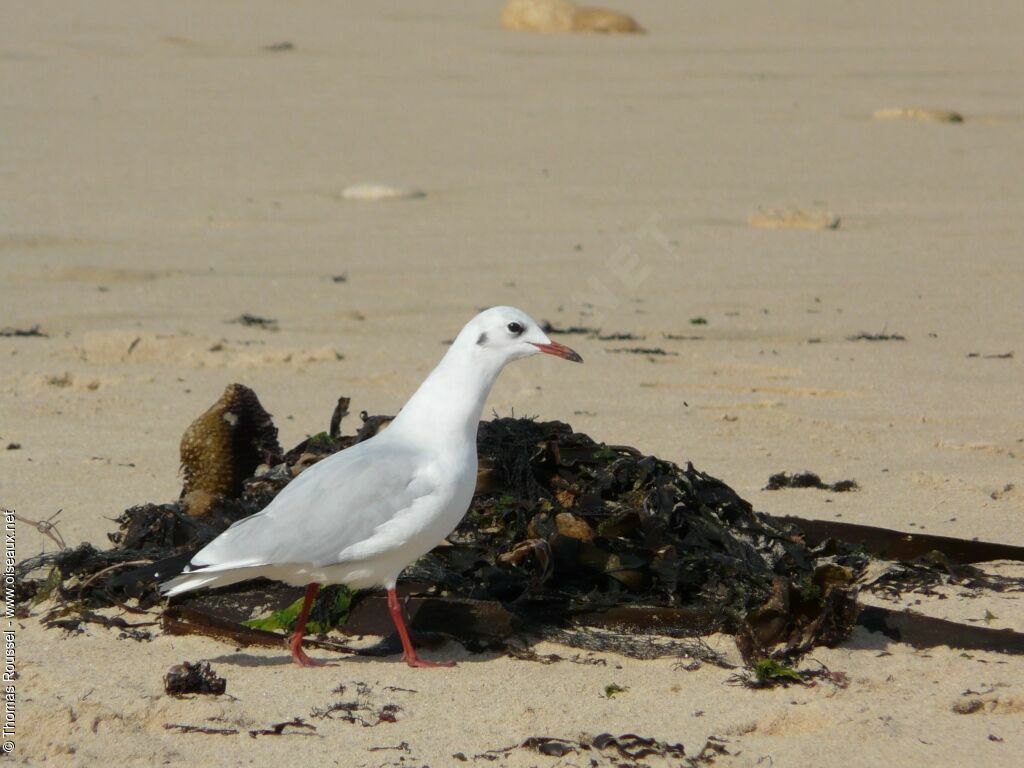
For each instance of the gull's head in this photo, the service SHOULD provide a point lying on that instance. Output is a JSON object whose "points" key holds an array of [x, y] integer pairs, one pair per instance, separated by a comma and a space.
{"points": [[504, 334]]}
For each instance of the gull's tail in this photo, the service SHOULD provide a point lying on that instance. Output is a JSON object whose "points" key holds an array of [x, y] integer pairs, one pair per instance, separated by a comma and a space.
{"points": [[205, 577], [225, 560]]}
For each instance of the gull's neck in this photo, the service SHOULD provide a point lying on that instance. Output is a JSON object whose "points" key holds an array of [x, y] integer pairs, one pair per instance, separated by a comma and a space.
{"points": [[445, 410]]}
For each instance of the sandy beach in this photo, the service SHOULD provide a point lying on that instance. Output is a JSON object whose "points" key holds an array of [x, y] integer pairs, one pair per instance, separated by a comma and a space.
{"points": [[166, 168]]}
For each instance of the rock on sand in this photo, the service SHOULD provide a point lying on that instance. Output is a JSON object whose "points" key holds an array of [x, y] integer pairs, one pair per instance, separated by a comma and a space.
{"points": [[563, 16]]}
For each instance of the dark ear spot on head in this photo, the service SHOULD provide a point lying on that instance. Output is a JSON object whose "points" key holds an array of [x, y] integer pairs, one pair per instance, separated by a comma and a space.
{"points": [[482, 339]]}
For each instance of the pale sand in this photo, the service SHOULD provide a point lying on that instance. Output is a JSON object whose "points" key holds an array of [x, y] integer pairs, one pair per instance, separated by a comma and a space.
{"points": [[161, 173]]}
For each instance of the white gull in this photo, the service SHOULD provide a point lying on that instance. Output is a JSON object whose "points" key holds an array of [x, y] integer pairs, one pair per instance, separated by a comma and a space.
{"points": [[362, 515]]}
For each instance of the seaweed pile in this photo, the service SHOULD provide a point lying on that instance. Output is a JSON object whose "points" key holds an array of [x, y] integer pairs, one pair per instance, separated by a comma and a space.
{"points": [[563, 526], [564, 532]]}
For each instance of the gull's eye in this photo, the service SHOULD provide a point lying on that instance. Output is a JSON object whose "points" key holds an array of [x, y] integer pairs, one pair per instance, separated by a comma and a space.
{"points": [[515, 328]]}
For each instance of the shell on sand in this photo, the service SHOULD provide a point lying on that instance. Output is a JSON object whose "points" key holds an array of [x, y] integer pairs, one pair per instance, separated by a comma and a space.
{"points": [[538, 15], [793, 218], [375, 192], [601, 20], [918, 113], [563, 16]]}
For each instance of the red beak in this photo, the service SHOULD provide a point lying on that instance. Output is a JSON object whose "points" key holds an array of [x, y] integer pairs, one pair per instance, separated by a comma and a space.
{"points": [[559, 350]]}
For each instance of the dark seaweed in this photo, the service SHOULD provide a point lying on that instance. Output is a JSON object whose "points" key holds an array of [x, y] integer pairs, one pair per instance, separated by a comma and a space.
{"points": [[808, 480], [561, 527], [255, 321], [278, 729], [998, 356], [643, 351], [628, 746], [594, 333], [883, 336], [563, 533], [32, 332], [193, 677]]}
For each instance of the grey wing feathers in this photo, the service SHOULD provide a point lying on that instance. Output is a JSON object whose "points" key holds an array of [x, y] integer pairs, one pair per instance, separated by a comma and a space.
{"points": [[332, 505]]}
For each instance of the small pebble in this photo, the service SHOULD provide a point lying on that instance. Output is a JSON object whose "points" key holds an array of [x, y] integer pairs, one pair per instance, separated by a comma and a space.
{"points": [[375, 192], [918, 113]]}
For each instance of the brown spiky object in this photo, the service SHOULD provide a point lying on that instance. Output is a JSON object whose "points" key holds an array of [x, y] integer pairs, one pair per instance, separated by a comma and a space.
{"points": [[224, 446]]}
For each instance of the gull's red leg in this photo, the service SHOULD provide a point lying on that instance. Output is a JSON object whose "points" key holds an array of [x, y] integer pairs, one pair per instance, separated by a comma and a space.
{"points": [[295, 641], [409, 655]]}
